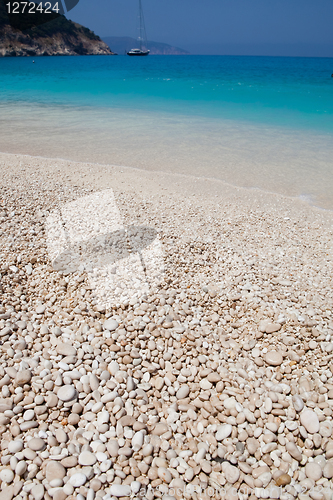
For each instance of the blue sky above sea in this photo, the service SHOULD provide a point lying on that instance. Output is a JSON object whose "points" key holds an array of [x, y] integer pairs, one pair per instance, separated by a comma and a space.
{"points": [[235, 27]]}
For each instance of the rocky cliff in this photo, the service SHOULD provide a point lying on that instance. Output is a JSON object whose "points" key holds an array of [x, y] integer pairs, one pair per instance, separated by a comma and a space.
{"points": [[58, 36]]}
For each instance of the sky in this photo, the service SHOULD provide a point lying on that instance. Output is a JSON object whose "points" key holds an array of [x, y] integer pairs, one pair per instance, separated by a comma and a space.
{"points": [[242, 27]]}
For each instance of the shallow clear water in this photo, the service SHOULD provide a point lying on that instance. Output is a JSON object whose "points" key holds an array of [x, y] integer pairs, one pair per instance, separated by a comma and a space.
{"points": [[251, 121]]}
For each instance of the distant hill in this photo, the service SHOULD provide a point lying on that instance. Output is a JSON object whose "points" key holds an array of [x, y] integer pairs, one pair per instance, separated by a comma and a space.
{"points": [[123, 44], [58, 36]]}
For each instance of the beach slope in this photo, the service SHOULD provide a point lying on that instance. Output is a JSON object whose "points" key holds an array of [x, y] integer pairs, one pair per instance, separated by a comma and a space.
{"points": [[215, 377]]}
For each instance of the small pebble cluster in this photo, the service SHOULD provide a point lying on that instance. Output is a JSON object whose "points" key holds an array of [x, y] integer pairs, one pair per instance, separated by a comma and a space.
{"points": [[217, 385]]}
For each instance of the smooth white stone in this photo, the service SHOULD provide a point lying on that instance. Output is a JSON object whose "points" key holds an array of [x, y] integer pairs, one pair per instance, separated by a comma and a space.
{"points": [[100, 456], [38, 491], [268, 405], [67, 393], [36, 444], [274, 358], [298, 403], [223, 432], [183, 392], [15, 446], [313, 471], [205, 384], [113, 367], [21, 467], [229, 403], [103, 417], [310, 421], [91, 494], [105, 466], [120, 490], [78, 479], [28, 415], [87, 458], [231, 474], [164, 474], [65, 349], [110, 324], [6, 475], [325, 429], [147, 451], [137, 441], [135, 486]]}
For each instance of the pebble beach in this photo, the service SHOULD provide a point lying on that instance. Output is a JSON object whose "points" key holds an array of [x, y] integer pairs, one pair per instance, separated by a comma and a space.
{"points": [[218, 384]]}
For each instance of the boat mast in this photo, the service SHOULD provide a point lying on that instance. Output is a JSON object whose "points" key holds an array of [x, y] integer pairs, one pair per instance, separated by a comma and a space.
{"points": [[140, 25], [142, 29]]}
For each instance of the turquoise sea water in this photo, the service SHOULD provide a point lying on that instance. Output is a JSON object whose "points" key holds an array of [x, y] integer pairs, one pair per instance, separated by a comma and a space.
{"points": [[291, 92], [254, 121]]}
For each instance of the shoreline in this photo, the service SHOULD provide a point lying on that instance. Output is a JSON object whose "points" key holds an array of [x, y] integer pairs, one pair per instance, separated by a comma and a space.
{"points": [[293, 164], [266, 197], [219, 379]]}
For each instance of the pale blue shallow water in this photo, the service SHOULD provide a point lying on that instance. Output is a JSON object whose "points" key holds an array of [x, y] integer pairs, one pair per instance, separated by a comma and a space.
{"points": [[254, 121]]}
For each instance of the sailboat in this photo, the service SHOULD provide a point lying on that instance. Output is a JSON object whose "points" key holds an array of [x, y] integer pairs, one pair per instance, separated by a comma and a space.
{"points": [[142, 39]]}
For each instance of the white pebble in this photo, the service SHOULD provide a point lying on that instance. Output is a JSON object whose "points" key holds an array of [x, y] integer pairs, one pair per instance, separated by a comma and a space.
{"points": [[120, 490], [6, 475], [223, 432], [78, 479]]}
